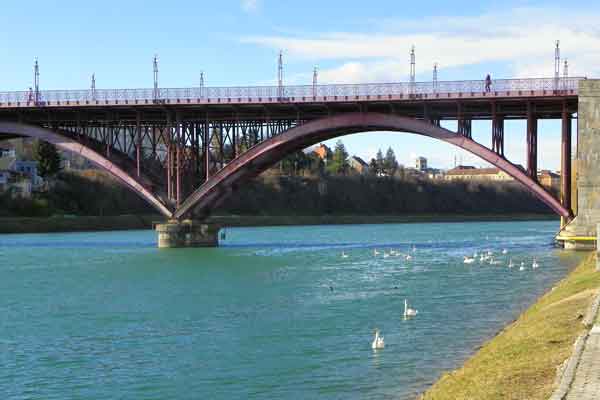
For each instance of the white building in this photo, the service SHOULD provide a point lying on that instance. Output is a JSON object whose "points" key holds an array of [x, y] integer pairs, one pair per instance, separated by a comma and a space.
{"points": [[421, 163]]}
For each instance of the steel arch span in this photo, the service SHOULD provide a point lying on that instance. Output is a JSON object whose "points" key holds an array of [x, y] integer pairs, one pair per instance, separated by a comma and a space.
{"points": [[9, 130], [265, 154]]}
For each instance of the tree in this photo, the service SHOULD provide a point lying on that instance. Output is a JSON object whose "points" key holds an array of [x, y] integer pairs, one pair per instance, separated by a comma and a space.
{"points": [[390, 165], [339, 160], [373, 167], [380, 162], [48, 159]]}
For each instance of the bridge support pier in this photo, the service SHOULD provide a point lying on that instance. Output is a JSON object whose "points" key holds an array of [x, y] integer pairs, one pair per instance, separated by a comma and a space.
{"points": [[187, 233], [580, 233]]}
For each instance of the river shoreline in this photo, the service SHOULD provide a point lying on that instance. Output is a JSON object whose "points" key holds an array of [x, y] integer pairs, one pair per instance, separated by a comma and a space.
{"points": [[16, 225], [522, 360]]}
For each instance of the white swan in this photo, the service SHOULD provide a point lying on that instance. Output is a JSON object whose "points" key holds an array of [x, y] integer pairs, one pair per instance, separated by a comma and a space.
{"points": [[378, 342], [408, 257], [535, 264], [385, 255], [344, 255], [414, 248], [504, 251], [510, 263], [522, 267], [409, 312], [375, 252], [469, 260]]}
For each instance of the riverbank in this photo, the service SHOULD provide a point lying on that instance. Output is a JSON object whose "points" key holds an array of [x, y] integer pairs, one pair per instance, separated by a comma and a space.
{"points": [[133, 222], [521, 361]]}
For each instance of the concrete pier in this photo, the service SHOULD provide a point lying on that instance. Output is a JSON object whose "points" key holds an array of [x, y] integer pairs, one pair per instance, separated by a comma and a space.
{"points": [[580, 233], [187, 233]]}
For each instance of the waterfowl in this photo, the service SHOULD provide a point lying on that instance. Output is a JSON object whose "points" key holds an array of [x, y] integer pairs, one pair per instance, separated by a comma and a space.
{"points": [[409, 312], [378, 342]]}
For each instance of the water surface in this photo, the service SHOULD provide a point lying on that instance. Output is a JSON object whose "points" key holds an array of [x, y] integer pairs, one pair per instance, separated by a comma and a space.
{"points": [[274, 313]]}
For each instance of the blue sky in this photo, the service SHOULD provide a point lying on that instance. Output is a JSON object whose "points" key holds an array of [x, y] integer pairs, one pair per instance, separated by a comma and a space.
{"points": [[236, 43]]}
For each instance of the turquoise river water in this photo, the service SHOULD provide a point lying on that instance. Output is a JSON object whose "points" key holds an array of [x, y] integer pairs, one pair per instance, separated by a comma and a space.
{"points": [[275, 313]]}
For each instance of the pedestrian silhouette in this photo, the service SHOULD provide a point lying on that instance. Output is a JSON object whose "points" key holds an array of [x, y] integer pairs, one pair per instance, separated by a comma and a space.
{"points": [[488, 83]]}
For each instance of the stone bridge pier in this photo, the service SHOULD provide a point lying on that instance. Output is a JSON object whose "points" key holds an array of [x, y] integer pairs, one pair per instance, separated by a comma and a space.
{"points": [[187, 233], [581, 232]]}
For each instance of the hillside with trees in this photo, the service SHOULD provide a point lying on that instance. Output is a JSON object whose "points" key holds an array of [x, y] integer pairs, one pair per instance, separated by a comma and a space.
{"points": [[303, 183]]}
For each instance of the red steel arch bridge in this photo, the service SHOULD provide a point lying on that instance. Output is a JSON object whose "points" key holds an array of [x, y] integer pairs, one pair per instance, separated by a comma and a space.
{"points": [[184, 150]]}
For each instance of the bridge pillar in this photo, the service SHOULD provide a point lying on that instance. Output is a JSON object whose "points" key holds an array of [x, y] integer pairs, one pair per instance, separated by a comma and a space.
{"points": [[187, 233], [580, 233]]}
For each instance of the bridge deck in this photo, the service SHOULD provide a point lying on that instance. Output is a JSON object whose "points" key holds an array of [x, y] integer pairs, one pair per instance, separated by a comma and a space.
{"points": [[443, 96]]}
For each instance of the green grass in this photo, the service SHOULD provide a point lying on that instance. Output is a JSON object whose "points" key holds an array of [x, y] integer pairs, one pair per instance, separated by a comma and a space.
{"points": [[521, 362], [75, 224], [122, 222]]}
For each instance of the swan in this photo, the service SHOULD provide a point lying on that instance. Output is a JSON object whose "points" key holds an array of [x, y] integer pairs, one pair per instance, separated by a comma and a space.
{"points": [[469, 260], [522, 268], [378, 342], [414, 248], [385, 255], [504, 251], [535, 264], [510, 263], [495, 262], [409, 312], [408, 257], [344, 255], [375, 253], [490, 253]]}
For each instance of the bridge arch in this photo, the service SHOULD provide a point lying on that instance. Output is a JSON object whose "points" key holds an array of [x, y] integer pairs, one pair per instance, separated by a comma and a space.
{"points": [[64, 142], [265, 154]]}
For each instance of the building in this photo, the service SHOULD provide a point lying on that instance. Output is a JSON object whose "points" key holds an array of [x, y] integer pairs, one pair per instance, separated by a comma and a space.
{"points": [[322, 151], [359, 165], [26, 170], [22, 188], [4, 180], [434, 173], [467, 173], [549, 179], [421, 164], [7, 152]]}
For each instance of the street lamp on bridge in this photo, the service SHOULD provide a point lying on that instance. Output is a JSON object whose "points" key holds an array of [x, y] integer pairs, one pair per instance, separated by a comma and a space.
{"points": [[36, 81], [155, 65]]}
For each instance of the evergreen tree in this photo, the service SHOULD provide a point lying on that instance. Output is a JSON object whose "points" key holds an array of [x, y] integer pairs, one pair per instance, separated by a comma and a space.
{"points": [[380, 161], [48, 159], [390, 164], [339, 160], [373, 167]]}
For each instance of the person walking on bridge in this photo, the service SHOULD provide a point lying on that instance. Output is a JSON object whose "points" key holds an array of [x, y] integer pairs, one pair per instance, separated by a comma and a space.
{"points": [[488, 83]]}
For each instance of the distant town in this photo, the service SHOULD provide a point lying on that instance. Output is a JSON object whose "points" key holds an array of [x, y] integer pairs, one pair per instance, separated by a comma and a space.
{"points": [[27, 167]]}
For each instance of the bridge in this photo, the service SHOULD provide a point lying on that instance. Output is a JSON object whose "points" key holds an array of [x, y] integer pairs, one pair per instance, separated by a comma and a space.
{"points": [[184, 150]]}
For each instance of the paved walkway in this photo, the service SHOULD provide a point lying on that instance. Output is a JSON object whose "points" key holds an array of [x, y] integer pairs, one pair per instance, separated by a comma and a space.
{"points": [[586, 385]]}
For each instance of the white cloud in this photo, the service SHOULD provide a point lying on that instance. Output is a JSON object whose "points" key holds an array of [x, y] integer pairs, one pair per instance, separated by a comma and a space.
{"points": [[523, 39], [250, 6]]}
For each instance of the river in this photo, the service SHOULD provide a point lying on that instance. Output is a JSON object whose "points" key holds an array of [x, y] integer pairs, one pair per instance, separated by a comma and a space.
{"points": [[275, 313]]}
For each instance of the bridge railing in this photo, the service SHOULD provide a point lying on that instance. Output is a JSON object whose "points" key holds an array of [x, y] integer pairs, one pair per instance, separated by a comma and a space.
{"points": [[295, 91]]}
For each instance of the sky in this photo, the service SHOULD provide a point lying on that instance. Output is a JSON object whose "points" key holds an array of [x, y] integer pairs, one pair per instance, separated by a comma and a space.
{"points": [[236, 42]]}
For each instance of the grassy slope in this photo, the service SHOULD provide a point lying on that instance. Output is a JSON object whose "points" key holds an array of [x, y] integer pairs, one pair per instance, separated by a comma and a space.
{"points": [[520, 363], [121, 222]]}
